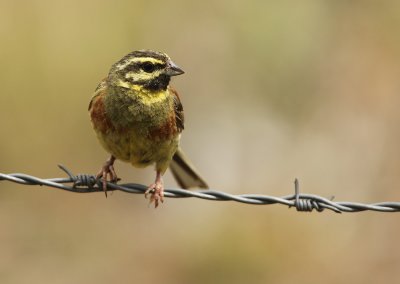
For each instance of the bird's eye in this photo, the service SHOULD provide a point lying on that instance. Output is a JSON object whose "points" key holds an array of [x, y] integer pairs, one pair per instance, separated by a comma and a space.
{"points": [[148, 67]]}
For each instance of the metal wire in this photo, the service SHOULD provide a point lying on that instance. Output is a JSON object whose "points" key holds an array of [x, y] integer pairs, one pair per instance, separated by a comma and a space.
{"points": [[86, 183]]}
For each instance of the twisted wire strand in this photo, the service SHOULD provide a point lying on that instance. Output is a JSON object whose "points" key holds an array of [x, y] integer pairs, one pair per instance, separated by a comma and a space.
{"points": [[86, 183]]}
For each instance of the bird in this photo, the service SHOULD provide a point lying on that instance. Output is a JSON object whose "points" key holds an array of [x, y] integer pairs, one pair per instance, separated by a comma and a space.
{"points": [[138, 118]]}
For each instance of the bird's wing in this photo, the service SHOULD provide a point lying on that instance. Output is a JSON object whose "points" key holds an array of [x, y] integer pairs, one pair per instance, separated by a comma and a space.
{"points": [[178, 108], [182, 169], [100, 87]]}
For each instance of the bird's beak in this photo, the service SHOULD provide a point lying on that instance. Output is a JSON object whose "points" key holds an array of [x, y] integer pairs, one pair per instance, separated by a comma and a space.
{"points": [[173, 69]]}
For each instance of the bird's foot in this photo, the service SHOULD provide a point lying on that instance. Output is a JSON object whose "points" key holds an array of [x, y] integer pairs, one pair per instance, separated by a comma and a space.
{"points": [[107, 171], [156, 191]]}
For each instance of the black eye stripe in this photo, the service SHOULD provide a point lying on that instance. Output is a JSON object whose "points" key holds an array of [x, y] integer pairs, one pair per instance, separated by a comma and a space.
{"points": [[132, 67], [137, 66], [155, 66]]}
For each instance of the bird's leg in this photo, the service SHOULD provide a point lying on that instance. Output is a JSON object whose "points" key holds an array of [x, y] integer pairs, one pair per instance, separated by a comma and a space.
{"points": [[107, 170], [156, 190]]}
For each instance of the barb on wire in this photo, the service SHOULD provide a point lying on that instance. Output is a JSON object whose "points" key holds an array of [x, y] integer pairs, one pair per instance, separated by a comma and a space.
{"points": [[86, 183]]}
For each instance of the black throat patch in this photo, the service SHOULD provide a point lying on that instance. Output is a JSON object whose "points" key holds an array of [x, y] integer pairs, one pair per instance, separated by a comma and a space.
{"points": [[159, 83]]}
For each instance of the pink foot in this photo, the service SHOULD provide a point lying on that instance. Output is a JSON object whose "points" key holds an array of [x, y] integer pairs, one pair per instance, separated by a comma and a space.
{"points": [[156, 190], [107, 171]]}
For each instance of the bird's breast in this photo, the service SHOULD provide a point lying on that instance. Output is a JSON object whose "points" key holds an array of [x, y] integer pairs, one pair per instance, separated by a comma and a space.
{"points": [[148, 115], [138, 129]]}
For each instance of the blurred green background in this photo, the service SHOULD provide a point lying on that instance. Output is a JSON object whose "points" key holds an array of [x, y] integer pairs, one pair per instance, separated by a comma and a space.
{"points": [[273, 90]]}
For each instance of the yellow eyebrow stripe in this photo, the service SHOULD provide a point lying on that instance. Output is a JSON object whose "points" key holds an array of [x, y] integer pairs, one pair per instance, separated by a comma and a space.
{"points": [[146, 59]]}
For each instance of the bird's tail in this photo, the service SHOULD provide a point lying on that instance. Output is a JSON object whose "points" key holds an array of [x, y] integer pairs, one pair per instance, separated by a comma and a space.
{"points": [[184, 172]]}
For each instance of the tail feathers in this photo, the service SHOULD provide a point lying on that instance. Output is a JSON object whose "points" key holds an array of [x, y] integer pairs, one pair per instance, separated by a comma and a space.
{"points": [[184, 172]]}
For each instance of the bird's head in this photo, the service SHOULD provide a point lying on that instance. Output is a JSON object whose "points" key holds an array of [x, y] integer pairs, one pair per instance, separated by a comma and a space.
{"points": [[144, 69]]}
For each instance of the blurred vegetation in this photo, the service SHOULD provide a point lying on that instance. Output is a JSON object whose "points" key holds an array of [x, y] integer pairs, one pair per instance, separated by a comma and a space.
{"points": [[273, 90]]}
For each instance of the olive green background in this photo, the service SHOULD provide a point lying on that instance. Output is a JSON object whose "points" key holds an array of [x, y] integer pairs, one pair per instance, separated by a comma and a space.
{"points": [[273, 90]]}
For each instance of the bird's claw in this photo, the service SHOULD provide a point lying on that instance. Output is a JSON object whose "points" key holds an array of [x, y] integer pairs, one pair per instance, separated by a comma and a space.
{"points": [[156, 190], [107, 171]]}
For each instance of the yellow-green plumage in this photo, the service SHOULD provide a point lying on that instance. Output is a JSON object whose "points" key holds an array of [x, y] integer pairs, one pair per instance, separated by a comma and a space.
{"points": [[138, 118]]}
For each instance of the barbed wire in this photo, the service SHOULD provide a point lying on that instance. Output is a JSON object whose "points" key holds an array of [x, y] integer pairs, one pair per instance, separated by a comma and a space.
{"points": [[86, 183]]}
